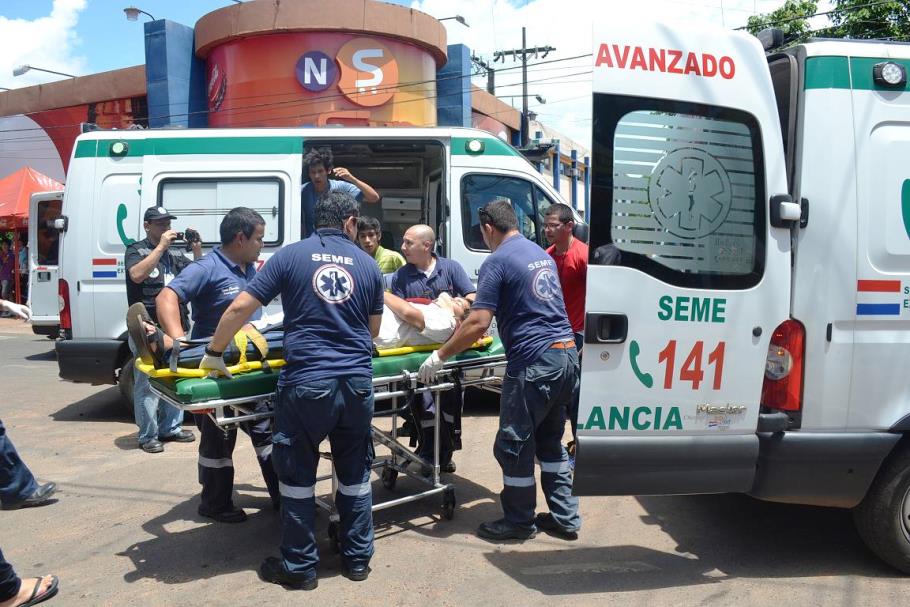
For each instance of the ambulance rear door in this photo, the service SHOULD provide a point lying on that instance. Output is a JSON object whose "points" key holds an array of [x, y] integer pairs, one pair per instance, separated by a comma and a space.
{"points": [[688, 177], [44, 247]]}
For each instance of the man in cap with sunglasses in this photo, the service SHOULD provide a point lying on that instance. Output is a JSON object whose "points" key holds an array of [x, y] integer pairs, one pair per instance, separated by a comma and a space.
{"points": [[150, 265]]}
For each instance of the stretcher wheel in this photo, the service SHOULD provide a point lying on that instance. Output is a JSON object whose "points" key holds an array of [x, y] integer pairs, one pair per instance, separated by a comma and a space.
{"points": [[333, 537], [389, 477], [448, 504]]}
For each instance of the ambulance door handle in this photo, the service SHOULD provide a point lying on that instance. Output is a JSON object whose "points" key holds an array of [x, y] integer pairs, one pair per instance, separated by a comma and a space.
{"points": [[606, 328], [828, 331]]}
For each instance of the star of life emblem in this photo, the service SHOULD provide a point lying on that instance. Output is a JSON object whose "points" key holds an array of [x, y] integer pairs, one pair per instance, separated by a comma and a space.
{"points": [[546, 284], [333, 283]]}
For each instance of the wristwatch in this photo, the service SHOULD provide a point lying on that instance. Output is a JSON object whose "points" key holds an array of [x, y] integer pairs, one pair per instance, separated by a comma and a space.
{"points": [[211, 352]]}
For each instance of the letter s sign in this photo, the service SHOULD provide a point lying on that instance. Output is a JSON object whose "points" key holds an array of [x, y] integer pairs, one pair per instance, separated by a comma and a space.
{"points": [[368, 72]]}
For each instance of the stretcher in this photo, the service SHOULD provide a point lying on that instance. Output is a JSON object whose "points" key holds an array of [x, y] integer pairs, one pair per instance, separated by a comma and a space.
{"points": [[232, 401]]}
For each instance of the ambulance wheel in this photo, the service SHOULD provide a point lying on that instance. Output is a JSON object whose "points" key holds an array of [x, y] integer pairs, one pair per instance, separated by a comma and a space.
{"points": [[333, 537], [389, 478], [883, 517], [125, 382], [448, 504]]}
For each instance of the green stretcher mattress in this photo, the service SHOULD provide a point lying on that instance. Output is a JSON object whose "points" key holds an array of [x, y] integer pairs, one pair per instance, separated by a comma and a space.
{"points": [[193, 391]]}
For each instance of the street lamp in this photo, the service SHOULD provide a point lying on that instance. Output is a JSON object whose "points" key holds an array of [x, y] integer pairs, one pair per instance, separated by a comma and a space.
{"points": [[132, 13], [18, 71], [457, 18]]}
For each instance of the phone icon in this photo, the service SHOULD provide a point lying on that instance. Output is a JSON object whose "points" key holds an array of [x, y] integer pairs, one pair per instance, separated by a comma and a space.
{"points": [[644, 378], [121, 217]]}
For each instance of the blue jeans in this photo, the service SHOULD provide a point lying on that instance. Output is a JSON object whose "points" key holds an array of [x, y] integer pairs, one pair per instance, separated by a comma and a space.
{"points": [[16, 481], [340, 408], [155, 418], [532, 420], [9, 581]]}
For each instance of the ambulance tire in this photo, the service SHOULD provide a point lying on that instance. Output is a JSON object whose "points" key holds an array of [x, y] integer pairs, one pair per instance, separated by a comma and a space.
{"points": [[125, 382], [883, 517]]}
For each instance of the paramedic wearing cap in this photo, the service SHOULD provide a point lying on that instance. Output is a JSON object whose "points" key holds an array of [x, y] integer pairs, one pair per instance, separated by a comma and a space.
{"points": [[332, 297], [210, 285], [317, 165], [518, 284], [427, 276], [150, 265]]}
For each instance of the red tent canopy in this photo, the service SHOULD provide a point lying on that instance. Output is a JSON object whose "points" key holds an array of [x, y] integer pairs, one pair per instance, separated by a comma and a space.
{"points": [[15, 191]]}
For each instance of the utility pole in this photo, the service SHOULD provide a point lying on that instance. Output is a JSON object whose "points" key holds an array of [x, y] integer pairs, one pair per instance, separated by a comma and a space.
{"points": [[524, 52]]}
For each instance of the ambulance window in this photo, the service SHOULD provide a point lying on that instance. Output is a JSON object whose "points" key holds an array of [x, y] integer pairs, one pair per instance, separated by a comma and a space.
{"points": [[47, 238], [201, 203], [784, 79], [678, 189], [478, 190]]}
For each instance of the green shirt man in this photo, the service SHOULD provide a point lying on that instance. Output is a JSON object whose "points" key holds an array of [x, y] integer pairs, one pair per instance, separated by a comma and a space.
{"points": [[369, 231]]}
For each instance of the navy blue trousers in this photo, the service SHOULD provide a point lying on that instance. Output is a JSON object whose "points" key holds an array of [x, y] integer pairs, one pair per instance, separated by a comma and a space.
{"points": [[340, 408], [216, 463], [532, 420], [16, 481]]}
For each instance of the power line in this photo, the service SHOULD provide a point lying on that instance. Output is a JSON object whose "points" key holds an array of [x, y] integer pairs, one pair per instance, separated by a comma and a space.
{"points": [[291, 102]]}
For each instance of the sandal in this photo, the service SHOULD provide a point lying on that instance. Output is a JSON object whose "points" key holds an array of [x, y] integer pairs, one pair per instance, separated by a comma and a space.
{"points": [[136, 317], [36, 598]]}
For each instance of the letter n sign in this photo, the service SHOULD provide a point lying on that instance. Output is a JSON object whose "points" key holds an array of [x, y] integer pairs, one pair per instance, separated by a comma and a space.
{"points": [[316, 71]]}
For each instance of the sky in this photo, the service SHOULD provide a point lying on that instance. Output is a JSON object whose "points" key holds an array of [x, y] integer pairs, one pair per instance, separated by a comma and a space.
{"points": [[88, 36]]}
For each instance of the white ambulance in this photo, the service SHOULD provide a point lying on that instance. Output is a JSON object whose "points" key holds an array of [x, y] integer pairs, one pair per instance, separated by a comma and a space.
{"points": [[437, 176], [756, 335], [43, 257]]}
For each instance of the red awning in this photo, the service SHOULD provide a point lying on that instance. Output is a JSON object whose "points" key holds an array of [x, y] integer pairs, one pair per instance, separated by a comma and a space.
{"points": [[16, 190]]}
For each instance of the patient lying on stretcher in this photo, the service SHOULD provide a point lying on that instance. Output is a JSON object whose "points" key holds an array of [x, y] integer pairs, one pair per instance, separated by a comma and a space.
{"points": [[403, 324]]}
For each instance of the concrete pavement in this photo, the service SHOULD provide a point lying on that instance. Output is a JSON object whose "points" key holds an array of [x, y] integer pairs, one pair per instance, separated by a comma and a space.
{"points": [[124, 530]]}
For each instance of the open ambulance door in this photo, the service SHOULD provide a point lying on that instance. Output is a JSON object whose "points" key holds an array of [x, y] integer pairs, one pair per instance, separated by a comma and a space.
{"points": [[688, 178], [43, 247]]}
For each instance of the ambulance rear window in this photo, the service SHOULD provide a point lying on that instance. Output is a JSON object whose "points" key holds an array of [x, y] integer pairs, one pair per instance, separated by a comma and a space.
{"points": [[201, 203], [678, 189]]}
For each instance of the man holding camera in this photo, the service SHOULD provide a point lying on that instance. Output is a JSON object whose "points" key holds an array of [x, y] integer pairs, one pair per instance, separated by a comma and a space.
{"points": [[150, 265]]}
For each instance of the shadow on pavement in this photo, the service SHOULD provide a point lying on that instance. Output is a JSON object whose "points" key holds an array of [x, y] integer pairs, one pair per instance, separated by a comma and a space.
{"points": [[49, 355], [746, 537], [104, 406], [718, 536], [474, 504], [208, 549]]}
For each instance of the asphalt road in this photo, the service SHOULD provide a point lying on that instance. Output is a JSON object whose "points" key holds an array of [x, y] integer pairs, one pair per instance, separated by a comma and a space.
{"points": [[124, 530]]}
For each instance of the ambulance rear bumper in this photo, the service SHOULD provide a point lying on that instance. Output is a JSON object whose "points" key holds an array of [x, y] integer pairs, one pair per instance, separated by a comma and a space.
{"points": [[91, 361]]}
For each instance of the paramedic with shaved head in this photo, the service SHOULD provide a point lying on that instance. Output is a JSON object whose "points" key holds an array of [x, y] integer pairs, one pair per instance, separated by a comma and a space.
{"points": [[519, 285], [426, 276], [332, 297]]}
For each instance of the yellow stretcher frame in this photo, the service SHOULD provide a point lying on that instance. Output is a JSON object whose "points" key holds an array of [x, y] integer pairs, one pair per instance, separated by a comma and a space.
{"points": [[244, 365]]}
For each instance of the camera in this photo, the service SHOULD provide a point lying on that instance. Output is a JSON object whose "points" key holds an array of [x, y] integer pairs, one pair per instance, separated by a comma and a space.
{"points": [[190, 236]]}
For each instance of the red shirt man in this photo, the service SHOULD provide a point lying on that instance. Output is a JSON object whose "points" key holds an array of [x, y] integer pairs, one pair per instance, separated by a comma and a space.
{"points": [[571, 257]]}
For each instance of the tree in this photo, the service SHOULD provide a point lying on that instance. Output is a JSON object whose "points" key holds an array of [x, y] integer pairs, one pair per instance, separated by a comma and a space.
{"points": [[792, 18], [870, 19]]}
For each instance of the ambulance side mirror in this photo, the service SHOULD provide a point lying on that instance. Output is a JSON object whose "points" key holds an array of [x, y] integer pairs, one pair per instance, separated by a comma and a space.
{"points": [[783, 211]]}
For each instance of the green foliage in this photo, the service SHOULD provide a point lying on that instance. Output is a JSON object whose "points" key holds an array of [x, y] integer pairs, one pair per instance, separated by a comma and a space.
{"points": [[792, 18], [889, 20]]}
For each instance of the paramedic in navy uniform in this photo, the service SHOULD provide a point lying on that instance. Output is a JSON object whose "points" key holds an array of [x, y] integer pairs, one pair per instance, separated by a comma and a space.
{"points": [[518, 284], [210, 285], [332, 293], [427, 276]]}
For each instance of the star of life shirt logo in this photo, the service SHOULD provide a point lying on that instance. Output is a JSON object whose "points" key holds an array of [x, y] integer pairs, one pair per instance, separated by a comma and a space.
{"points": [[333, 283], [545, 284]]}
